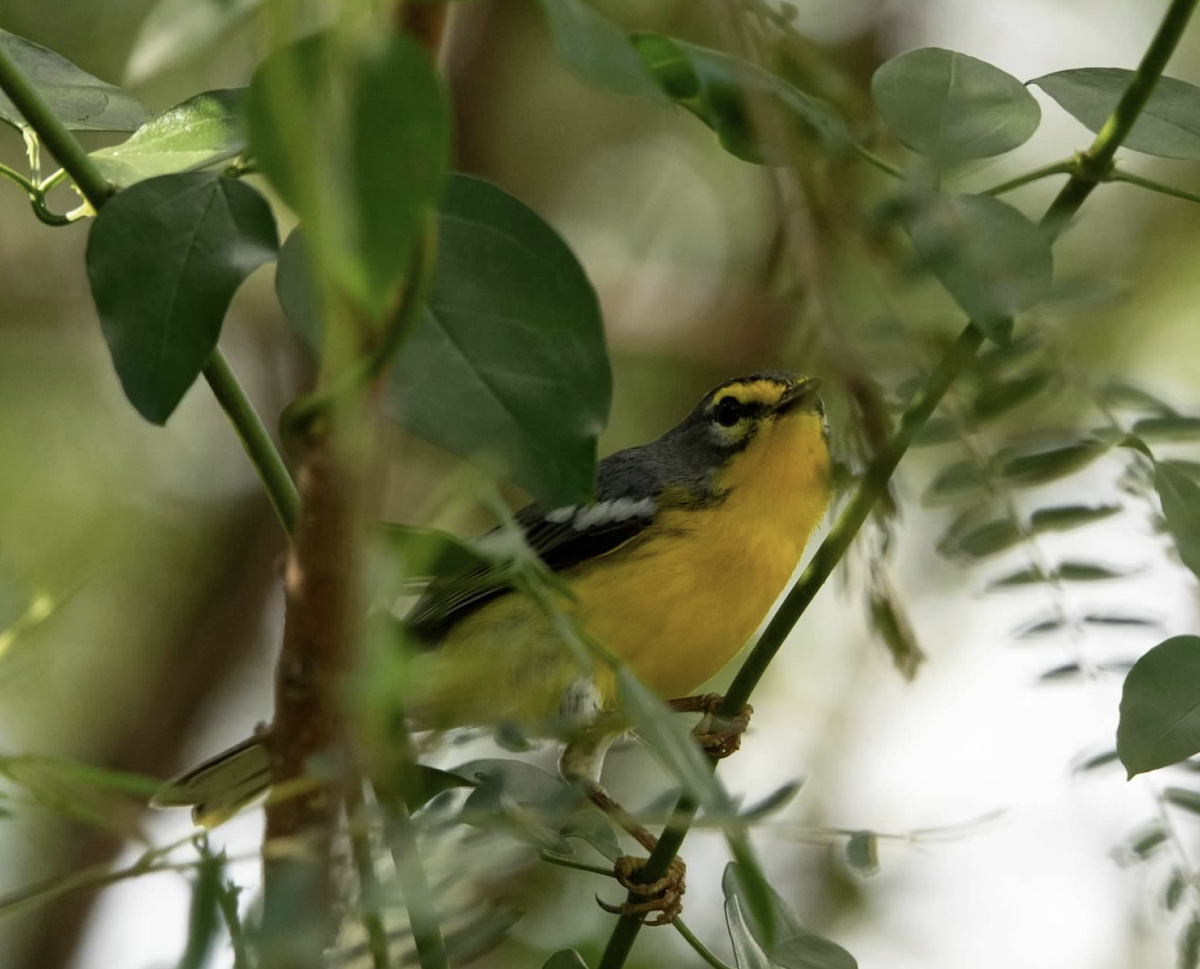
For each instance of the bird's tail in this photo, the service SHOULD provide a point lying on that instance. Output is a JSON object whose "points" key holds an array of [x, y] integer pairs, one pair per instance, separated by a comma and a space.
{"points": [[220, 787]]}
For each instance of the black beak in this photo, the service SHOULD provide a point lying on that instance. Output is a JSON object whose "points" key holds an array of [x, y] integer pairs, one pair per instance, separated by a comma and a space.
{"points": [[802, 394]]}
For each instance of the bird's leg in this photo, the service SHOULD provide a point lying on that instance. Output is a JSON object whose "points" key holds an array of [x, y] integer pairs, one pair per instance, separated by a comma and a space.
{"points": [[581, 761], [717, 743]]}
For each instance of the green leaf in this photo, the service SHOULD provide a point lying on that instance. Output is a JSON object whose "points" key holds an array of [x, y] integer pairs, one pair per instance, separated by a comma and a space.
{"points": [[672, 743], [791, 945], [1117, 393], [862, 852], [952, 108], [1160, 707], [164, 259], [997, 399], [1050, 464], [355, 138], [777, 800], [1062, 517], [593, 827], [1027, 576], [514, 327], [1068, 671], [746, 952], [177, 29], [1174, 427], [1183, 798], [1102, 759], [954, 481], [1189, 945], [204, 917], [201, 131], [988, 256], [424, 553], [294, 287], [1169, 125], [596, 49], [79, 100], [430, 782], [1174, 890], [979, 542], [718, 89], [1074, 571], [565, 959], [1180, 498]]}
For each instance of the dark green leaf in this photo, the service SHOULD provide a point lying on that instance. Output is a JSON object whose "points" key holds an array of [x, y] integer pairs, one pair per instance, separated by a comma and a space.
{"points": [[890, 622], [1183, 798], [201, 131], [988, 256], [1180, 498], [1174, 890], [1068, 671], [204, 917], [1040, 467], [987, 539], [1171, 428], [164, 259], [999, 398], [1118, 619], [719, 90], [777, 800], [1146, 842], [1072, 571], [1160, 707], [596, 49], [862, 852], [937, 430], [355, 138], [514, 327], [177, 29], [1039, 627], [1117, 393], [791, 945], [1168, 126], [565, 959], [955, 481], [1189, 945], [1189, 468], [1096, 760], [297, 297], [951, 107], [430, 782], [425, 553], [1063, 517], [82, 102], [1027, 576]]}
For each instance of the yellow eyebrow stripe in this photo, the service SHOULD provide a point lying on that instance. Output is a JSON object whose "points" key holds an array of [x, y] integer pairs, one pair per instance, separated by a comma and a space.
{"points": [[765, 392]]}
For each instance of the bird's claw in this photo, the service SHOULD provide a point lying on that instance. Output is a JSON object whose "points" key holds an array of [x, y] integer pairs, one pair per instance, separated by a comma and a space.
{"points": [[663, 897], [719, 744]]}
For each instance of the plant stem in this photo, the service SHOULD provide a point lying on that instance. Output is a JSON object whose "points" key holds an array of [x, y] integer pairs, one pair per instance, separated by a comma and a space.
{"points": [[368, 880], [418, 899], [37, 198], [1064, 167], [227, 899], [702, 950], [1153, 186], [52, 132], [1093, 164], [873, 159], [265, 457]]}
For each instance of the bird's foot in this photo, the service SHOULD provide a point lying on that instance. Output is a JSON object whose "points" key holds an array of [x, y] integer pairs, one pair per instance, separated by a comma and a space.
{"points": [[719, 737], [663, 898]]}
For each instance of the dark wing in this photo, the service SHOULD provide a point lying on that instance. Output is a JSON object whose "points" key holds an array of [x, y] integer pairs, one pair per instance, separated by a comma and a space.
{"points": [[561, 537]]}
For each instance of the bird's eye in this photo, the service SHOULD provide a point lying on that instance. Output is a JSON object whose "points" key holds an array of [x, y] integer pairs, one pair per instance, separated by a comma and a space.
{"points": [[728, 411]]}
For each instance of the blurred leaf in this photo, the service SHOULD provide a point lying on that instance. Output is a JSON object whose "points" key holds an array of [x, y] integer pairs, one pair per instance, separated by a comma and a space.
{"points": [[177, 29], [746, 952], [997, 399], [988, 256], [204, 916], [297, 296], [1174, 890], [1183, 798], [1039, 627], [1072, 571], [1180, 498], [1189, 945], [1027, 576], [937, 430], [672, 743], [1040, 467], [951, 107], [1117, 393], [42, 606], [201, 131], [791, 945], [1095, 761], [954, 481], [596, 49], [1068, 671], [79, 100], [891, 624], [1160, 707], [1118, 619], [777, 800], [1169, 125], [514, 326], [594, 828], [1174, 427], [1063, 517], [565, 959], [987, 539], [355, 138], [1189, 468], [862, 852], [96, 796], [533, 805], [430, 782], [1144, 844], [721, 91], [424, 553], [164, 259]]}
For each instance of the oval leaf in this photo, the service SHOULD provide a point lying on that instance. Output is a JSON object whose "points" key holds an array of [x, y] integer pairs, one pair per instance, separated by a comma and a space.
{"points": [[951, 107], [1063, 517], [1174, 427], [201, 131], [1040, 467], [164, 259], [1180, 498], [79, 100], [792, 945], [988, 256], [565, 959], [176, 29], [715, 88], [1160, 707], [1169, 125], [513, 326], [356, 140], [596, 49]]}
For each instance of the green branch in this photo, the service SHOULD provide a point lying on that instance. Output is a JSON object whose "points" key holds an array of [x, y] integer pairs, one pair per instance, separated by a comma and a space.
{"points": [[873, 159], [37, 197], [1065, 167], [1094, 164], [229, 393], [1130, 179]]}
